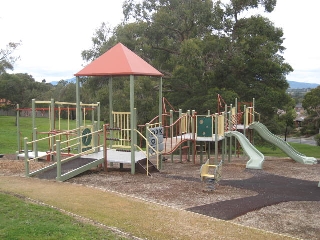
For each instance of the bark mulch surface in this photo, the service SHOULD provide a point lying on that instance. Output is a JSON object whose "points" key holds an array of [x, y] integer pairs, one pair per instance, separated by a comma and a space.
{"points": [[283, 197], [271, 189]]}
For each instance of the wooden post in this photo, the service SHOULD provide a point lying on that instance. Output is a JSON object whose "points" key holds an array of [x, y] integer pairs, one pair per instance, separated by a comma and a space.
{"points": [[58, 157], [133, 167], [26, 157]]}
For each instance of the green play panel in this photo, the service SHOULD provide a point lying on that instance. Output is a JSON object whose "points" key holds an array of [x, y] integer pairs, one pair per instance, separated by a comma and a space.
{"points": [[204, 126]]}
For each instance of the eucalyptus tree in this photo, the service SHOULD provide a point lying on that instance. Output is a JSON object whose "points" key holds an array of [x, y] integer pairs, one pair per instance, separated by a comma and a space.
{"points": [[203, 48], [203, 45], [311, 104], [7, 59]]}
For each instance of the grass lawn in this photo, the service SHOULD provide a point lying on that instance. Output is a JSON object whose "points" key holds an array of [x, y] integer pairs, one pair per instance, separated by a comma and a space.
{"points": [[20, 219], [8, 132], [308, 150]]}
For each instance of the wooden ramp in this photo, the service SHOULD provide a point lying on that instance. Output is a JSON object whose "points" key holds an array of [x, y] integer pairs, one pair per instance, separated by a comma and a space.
{"points": [[69, 169], [76, 166]]}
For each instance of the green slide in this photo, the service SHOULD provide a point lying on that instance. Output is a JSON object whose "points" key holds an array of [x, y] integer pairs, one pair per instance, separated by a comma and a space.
{"points": [[256, 157], [283, 145]]}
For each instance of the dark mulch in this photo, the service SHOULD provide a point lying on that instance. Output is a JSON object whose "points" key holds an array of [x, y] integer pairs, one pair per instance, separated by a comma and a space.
{"points": [[272, 189]]}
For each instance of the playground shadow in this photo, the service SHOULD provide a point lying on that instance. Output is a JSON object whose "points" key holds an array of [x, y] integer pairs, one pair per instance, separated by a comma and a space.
{"points": [[271, 189]]}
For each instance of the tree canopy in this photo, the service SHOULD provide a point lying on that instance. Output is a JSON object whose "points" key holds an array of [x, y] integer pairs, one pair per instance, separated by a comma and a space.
{"points": [[311, 102], [7, 59], [204, 48]]}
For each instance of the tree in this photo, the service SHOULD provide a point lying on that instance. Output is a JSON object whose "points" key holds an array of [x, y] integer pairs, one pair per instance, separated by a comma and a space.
{"points": [[311, 103], [21, 88], [286, 117], [205, 48], [7, 59]]}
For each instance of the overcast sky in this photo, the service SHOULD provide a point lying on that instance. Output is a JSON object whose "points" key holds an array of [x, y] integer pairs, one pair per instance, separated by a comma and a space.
{"points": [[53, 34]]}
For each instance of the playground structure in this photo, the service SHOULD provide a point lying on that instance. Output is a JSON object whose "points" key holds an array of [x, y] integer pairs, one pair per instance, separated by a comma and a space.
{"points": [[164, 135]]}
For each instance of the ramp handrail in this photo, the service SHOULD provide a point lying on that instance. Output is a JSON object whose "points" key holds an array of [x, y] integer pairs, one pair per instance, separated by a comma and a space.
{"points": [[58, 152]]}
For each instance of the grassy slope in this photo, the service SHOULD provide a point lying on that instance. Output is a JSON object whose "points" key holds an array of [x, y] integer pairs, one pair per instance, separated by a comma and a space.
{"points": [[8, 131], [31, 221]]}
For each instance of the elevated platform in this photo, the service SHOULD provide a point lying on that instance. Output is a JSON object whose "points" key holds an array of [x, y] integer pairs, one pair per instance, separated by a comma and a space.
{"points": [[32, 155], [115, 156]]}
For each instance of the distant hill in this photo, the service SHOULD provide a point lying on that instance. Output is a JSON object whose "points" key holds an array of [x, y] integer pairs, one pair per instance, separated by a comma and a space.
{"points": [[292, 84], [301, 85], [71, 80]]}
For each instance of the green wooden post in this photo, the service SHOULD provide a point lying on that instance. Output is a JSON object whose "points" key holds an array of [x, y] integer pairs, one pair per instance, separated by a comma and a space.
{"points": [[92, 115], [52, 122], [133, 170], [229, 120], [147, 145], [171, 130], [35, 144], [244, 120], [180, 133], [209, 150], [201, 153], [230, 145], [135, 129], [216, 137], [188, 130], [193, 132], [78, 112], [160, 118], [58, 156], [95, 136], [26, 157], [160, 102], [98, 115], [253, 119], [34, 133], [18, 129], [110, 111], [253, 103], [235, 139]]}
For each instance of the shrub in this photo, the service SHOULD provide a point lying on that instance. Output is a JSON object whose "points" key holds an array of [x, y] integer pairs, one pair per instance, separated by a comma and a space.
{"points": [[317, 139]]}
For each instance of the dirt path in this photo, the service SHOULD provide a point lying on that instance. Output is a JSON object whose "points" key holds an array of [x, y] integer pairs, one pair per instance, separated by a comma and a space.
{"points": [[140, 218]]}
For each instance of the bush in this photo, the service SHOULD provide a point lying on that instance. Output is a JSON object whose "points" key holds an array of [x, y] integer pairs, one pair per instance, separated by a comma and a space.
{"points": [[317, 139]]}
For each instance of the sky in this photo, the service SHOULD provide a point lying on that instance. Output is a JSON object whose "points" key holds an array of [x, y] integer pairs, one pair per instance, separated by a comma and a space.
{"points": [[55, 32]]}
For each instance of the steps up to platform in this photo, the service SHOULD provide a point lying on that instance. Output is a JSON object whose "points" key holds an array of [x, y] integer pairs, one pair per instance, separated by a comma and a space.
{"points": [[141, 166]]}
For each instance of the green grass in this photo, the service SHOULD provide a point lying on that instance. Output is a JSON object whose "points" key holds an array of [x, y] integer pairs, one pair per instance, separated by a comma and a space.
{"points": [[8, 132], [308, 150], [24, 220]]}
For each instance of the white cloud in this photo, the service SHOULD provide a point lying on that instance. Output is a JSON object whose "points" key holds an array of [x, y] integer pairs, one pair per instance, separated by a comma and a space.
{"points": [[53, 34]]}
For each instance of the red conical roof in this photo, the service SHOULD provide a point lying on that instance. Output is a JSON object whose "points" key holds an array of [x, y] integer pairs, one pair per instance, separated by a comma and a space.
{"points": [[119, 61]]}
